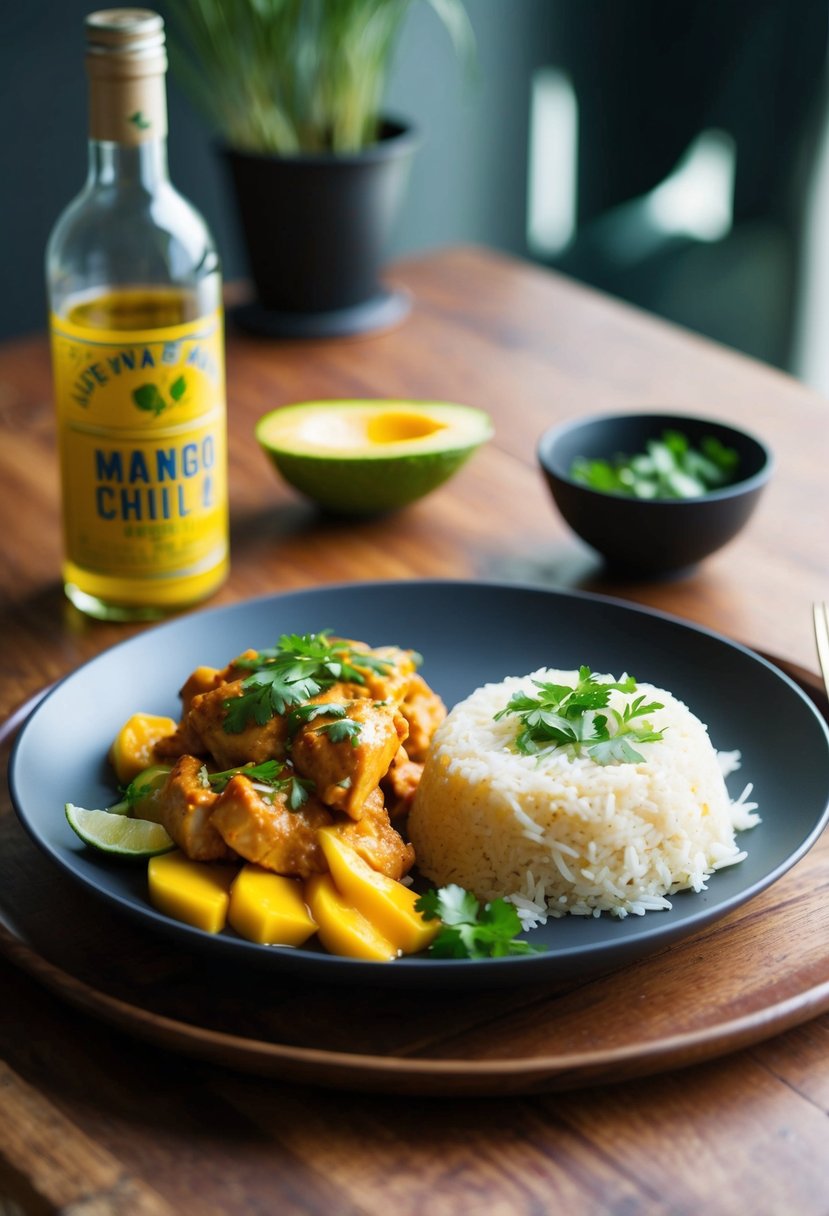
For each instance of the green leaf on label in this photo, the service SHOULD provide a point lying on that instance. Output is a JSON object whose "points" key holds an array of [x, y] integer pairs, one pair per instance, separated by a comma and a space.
{"points": [[148, 398], [178, 388], [138, 120]]}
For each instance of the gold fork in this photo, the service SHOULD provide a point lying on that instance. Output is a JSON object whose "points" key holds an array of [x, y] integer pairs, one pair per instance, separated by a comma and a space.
{"points": [[820, 614]]}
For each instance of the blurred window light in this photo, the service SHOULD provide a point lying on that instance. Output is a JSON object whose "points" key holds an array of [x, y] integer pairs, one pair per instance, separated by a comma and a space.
{"points": [[553, 162], [810, 356], [697, 200]]}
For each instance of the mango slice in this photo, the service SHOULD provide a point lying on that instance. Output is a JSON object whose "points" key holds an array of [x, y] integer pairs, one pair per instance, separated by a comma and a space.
{"points": [[132, 748], [342, 929], [194, 892], [389, 905], [269, 909]]}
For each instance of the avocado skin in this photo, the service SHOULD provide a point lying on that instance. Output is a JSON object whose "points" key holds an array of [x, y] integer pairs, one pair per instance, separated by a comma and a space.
{"points": [[370, 486]]}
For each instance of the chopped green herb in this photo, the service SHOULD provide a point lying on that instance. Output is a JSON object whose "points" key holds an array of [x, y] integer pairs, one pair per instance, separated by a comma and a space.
{"points": [[269, 772], [279, 777], [298, 795], [565, 716], [342, 729], [469, 929], [669, 468], [298, 668], [301, 715]]}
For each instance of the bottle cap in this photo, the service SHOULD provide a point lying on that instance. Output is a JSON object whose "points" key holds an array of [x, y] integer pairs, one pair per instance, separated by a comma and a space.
{"points": [[136, 32]]}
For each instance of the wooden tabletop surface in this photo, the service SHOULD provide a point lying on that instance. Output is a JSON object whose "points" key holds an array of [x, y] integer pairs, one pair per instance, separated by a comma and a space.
{"points": [[94, 1120]]}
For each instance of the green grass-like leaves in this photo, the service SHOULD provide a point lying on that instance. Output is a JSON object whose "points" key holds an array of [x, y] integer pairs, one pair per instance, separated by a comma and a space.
{"points": [[292, 76]]}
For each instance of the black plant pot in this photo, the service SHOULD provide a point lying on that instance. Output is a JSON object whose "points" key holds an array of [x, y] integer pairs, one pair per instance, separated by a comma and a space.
{"points": [[316, 228]]}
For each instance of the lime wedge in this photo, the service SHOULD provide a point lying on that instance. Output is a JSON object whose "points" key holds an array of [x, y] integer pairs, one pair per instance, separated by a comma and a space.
{"points": [[118, 834]]}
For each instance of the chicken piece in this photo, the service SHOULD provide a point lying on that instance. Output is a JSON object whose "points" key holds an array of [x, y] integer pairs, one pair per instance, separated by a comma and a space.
{"points": [[377, 842], [185, 739], [392, 684], [347, 756], [424, 711], [202, 680], [400, 783], [263, 829], [233, 748], [184, 805]]}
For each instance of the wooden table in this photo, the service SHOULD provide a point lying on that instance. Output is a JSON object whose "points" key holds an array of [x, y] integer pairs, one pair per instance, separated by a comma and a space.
{"points": [[95, 1120]]}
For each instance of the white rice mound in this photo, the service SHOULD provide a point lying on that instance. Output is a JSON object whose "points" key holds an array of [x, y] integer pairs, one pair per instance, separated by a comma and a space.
{"points": [[563, 834]]}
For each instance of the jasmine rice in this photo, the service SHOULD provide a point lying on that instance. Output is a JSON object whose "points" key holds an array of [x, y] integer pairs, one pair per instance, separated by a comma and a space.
{"points": [[559, 833]]}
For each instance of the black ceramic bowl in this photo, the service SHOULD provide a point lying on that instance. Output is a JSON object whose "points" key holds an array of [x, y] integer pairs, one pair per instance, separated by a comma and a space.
{"points": [[654, 536]]}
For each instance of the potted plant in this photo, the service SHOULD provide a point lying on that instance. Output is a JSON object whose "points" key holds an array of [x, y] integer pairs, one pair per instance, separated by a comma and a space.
{"points": [[295, 91]]}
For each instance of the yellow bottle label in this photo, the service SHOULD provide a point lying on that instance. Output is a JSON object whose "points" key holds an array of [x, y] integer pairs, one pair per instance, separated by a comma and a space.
{"points": [[142, 431]]}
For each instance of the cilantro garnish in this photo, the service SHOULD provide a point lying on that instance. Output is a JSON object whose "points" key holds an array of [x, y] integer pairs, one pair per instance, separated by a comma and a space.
{"points": [[565, 716], [338, 731], [469, 929], [298, 668], [342, 729], [270, 773], [303, 714], [298, 793]]}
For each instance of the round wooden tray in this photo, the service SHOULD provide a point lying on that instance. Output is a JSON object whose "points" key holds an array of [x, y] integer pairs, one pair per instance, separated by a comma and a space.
{"points": [[757, 972]]}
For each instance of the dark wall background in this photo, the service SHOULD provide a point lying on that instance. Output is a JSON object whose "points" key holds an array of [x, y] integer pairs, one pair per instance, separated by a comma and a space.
{"points": [[648, 76]]}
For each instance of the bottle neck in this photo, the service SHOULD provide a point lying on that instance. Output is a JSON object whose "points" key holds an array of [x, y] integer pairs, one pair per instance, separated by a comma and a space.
{"points": [[128, 104], [142, 165]]}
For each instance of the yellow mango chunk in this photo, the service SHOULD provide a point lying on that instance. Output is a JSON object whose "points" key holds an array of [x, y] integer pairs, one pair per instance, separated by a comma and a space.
{"points": [[342, 929], [389, 905], [195, 892], [132, 748], [269, 909]]}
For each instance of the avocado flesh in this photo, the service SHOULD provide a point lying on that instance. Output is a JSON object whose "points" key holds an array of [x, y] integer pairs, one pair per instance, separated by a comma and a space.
{"points": [[366, 457]]}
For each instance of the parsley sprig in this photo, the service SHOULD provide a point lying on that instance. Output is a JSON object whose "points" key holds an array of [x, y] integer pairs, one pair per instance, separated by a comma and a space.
{"points": [[279, 777], [298, 668], [470, 929], [562, 715], [341, 730], [338, 731]]}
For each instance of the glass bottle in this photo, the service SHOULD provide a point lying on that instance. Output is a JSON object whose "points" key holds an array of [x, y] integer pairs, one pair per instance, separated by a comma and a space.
{"points": [[134, 289]]}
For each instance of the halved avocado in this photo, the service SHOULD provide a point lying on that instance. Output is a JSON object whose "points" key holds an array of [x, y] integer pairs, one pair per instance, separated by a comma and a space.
{"points": [[367, 456]]}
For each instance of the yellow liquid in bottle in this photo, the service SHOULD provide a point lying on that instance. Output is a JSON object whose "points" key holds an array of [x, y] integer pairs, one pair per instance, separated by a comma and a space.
{"points": [[139, 380], [136, 308]]}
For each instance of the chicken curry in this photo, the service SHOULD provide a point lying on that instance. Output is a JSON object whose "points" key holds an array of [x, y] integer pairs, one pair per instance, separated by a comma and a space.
{"points": [[316, 737]]}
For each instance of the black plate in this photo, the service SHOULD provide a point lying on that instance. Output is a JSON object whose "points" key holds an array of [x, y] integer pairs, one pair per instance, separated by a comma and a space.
{"points": [[468, 634]]}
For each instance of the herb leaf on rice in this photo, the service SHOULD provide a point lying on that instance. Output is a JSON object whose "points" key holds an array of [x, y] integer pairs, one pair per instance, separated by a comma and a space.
{"points": [[564, 715]]}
